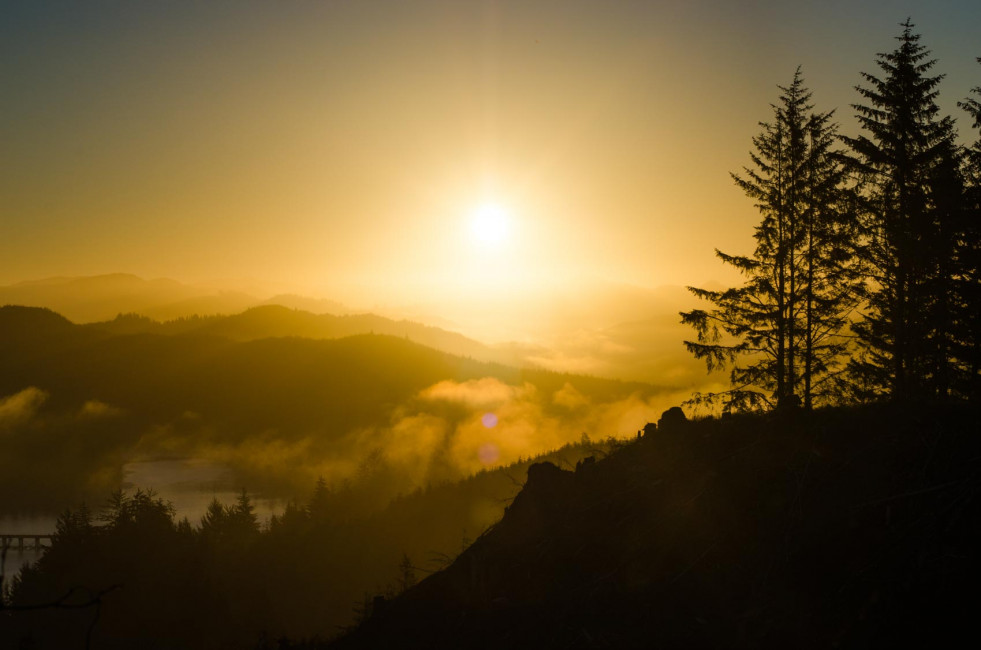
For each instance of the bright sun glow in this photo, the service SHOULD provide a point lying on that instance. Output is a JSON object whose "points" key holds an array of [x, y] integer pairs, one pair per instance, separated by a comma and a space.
{"points": [[489, 224]]}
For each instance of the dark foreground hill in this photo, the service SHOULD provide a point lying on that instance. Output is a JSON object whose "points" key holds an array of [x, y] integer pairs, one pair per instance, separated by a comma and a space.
{"points": [[843, 528], [226, 581]]}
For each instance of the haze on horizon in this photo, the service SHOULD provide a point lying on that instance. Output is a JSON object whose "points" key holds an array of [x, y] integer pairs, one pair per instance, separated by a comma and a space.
{"points": [[461, 159]]}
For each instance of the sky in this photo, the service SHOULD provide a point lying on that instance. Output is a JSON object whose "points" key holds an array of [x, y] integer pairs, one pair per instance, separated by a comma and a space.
{"points": [[347, 149]]}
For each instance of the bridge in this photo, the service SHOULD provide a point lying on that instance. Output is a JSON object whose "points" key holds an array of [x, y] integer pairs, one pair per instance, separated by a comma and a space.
{"points": [[36, 543]]}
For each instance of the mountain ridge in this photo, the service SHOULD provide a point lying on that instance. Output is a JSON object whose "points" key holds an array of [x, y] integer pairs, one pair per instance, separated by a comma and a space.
{"points": [[816, 531], [86, 400]]}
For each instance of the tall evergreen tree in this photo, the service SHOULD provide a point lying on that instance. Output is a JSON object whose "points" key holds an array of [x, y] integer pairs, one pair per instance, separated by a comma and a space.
{"points": [[904, 144], [214, 522], [831, 274], [242, 515], [785, 320], [969, 254], [319, 506]]}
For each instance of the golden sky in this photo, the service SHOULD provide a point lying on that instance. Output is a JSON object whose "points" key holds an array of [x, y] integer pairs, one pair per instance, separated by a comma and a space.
{"points": [[342, 148]]}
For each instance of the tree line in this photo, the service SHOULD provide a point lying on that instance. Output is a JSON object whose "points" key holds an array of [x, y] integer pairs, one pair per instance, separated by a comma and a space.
{"points": [[865, 281], [226, 581], [133, 571]]}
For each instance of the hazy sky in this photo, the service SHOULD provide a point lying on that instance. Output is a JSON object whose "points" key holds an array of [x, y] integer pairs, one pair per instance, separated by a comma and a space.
{"points": [[342, 147]]}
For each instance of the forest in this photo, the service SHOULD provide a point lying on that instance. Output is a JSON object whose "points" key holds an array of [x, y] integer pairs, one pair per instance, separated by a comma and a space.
{"points": [[131, 573], [864, 283], [277, 411]]}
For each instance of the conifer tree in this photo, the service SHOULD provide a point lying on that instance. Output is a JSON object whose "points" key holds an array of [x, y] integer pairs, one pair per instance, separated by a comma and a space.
{"points": [[214, 522], [906, 236], [831, 275], [242, 516], [969, 255], [785, 320], [319, 506], [407, 574]]}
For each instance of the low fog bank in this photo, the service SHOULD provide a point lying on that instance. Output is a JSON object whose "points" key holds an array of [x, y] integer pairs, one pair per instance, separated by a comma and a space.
{"points": [[444, 432], [79, 403]]}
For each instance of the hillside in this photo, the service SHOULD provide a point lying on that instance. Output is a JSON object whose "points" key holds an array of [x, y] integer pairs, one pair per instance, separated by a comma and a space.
{"points": [[191, 586], [607, 330], [77, 402], [277, 321], [845, 528]]}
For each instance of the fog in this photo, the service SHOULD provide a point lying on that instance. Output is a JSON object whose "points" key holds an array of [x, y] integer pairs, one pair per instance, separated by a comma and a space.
{"points": [[443, 432]]}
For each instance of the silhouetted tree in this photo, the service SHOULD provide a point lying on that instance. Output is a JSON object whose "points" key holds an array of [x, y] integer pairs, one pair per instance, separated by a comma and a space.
{"points": [[907, 236], [214, 522], [74, 526], [407, 574], [969, 253], [142, 512], [831, 277], [787, 317], [945, 282], [242, 516], [294, 518], [318, 506]]}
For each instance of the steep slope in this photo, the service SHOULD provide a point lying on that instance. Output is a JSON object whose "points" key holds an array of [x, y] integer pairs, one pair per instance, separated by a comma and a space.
{"points": [[298, 577], [850, 528]]}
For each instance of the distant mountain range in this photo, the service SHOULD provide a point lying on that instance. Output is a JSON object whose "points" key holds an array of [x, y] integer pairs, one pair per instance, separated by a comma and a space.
{"points": [[77, 401], [276, 321], [610, 331], [103, 297], [121, 303], [140, 364]]}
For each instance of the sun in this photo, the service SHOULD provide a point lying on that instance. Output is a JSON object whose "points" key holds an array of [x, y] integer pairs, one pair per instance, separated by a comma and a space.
{"points": [[490, 225]]}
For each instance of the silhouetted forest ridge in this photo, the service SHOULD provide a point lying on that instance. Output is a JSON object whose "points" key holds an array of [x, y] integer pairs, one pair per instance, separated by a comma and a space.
{"points": [[271, 321], [612, 330], [277, 321], [847, 527], [99, 297], [81, 400], [227, 580]]}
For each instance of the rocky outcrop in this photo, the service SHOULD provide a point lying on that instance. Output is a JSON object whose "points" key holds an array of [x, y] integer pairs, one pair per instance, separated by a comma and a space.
{"points": [[672, 420]]}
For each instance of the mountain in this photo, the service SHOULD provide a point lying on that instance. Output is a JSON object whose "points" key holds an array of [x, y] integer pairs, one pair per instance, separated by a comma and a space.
{"points": [[609, 330], [276, 411], [121, 303], [843, 528], [276, 321], [222, 368]]}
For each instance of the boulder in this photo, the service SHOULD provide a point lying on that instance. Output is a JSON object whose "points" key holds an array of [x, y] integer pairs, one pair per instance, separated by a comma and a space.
{"points": [[672, 419]]}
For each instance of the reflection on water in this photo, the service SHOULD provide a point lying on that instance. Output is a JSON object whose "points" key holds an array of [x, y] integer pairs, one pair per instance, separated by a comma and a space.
{"points": [[189, 484]]}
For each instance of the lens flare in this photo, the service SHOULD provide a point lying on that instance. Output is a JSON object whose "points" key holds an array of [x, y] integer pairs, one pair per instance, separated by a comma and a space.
{"points": [[488, 453]]}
